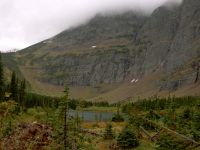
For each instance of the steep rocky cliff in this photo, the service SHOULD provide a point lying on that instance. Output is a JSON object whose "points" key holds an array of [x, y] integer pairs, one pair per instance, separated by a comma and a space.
{"points": [[113, 50]]}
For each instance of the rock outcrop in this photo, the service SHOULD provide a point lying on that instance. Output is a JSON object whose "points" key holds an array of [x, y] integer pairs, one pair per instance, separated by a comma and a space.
{"points": [[115, 49]]}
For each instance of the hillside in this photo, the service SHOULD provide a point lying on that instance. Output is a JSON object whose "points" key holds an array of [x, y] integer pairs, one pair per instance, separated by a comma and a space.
{"points": [[101, 58]]}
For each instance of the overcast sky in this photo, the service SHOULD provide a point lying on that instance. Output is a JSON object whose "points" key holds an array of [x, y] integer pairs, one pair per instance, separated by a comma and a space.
{"points": [[25, 22]]}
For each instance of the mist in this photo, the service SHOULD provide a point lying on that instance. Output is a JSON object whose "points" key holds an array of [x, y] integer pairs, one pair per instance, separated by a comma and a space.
{"points": [[25, 22]]}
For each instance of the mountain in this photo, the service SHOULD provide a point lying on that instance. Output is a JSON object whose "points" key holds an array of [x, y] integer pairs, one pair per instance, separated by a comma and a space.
{"points": [[99, 59]]}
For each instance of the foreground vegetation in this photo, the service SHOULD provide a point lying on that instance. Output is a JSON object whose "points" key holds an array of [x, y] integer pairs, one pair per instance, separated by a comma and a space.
{"points": [[171, 123], [38, 122]]}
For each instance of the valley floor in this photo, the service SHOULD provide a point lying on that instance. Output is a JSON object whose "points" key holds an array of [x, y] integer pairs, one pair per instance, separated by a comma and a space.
{"points": [[156, 124]]}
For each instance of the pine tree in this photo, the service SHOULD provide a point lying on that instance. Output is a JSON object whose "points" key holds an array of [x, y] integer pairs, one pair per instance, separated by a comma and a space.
{"points": [[196, 125], [127, 139], [22, 94], [108, 134], [14, 87], [66, 100], [2, 84]]}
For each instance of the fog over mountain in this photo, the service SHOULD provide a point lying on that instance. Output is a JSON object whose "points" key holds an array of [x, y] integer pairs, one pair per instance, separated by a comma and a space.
{"points": [[25, 22]]}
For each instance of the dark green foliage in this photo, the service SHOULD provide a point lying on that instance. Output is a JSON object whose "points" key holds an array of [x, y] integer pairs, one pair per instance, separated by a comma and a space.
{"points": [[138, 121], [153, 115], [196, 134], [196, 120], [168, 142], [22, 94], [65, 116], [108, 133], [74, 137], [187, 114], [184, 121], [170, 118], [73, 104], [34, 100], [127, 139], [14, 87], [2, 84], [16, 110], [8, 128], [118, 117], [127, 107], [101, 104], [84, 104], [66, 128], [196, 125], [179, 114], [162, 103]]}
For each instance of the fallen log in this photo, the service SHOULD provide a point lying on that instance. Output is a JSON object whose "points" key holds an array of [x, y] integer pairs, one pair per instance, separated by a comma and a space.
{"points": [[146, 133], [197, 144], [91, 132]]}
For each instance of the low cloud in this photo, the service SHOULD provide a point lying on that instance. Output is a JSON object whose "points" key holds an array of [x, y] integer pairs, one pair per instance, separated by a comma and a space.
{"points": [[25, 22]]}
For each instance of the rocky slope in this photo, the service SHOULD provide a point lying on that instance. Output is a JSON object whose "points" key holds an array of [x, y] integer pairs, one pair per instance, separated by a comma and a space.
{"points": [[110, 51]]}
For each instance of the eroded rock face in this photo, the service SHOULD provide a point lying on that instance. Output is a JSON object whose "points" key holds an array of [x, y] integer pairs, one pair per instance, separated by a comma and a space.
{"points": [[186, 44], [90, 69], [116, 48]]}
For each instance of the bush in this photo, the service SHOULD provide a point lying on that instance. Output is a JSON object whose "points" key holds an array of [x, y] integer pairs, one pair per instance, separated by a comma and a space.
{"points": [[153, 115], [196, 120], [127, 139], [167, 142], [196, 126], [7, 128], [108, 134]]}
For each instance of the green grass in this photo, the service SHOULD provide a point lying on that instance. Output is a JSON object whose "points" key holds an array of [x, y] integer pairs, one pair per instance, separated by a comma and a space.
{"points": [[144, 145]]}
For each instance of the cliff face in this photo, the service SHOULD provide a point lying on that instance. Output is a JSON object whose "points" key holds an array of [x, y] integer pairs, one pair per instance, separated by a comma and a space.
{"points": [[116, 49], [102, 51], [186, 43]]}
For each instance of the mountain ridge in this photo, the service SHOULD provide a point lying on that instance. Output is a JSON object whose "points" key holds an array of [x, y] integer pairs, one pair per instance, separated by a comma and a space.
{"points": [[111, 51]]}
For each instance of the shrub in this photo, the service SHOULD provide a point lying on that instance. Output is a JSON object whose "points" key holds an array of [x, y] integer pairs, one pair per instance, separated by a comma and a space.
{"points": [[108, 134], [196, 126], [168, 142], [127, 139]]}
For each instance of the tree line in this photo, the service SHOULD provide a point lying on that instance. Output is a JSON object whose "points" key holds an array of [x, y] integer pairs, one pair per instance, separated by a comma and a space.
{"points": [[162, 103], [16, 90]]}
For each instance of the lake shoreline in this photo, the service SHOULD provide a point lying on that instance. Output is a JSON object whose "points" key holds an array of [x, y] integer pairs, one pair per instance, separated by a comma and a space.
{"points": [[98, 109]]}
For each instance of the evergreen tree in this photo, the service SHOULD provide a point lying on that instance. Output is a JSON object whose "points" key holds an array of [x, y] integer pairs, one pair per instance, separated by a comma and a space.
{"points": [[168, 142], [127, 139], [22, 94], [196, 125], [2, 84], [118, 117], [108, 134], [14, 87], [66, 107]]}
